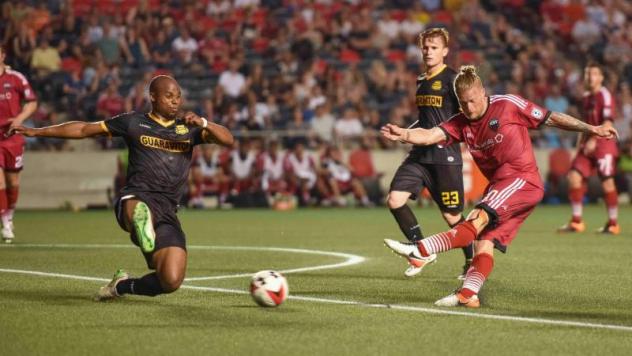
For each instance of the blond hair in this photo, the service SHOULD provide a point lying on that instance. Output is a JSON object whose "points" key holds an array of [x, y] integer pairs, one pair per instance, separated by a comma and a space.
{"points": [[434, 32], [466, 78]]}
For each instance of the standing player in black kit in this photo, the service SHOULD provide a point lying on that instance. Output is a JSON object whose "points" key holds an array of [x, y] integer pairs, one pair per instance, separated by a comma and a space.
{"points": [[435, 167], [160, 144]]}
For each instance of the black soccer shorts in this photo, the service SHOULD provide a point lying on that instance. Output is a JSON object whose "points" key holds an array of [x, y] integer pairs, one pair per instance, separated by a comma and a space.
{"points": [[166, 224], [444, 182]]}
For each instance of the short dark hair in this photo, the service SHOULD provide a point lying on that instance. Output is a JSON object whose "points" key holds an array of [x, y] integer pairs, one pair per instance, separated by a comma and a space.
{"points": [[593, 64]]}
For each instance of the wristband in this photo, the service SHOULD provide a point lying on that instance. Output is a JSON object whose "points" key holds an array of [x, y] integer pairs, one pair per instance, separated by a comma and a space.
{"points": [[204, 122]]}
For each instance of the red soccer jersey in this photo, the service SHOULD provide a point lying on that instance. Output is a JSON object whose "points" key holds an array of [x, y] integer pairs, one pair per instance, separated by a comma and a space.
{"points": [[13, 89], [598, 107], [499, 141]]}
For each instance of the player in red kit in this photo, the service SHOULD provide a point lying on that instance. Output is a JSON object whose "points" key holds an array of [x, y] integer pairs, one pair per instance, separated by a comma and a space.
{"points": [[594, 154], [495, 130], [17, 103]]}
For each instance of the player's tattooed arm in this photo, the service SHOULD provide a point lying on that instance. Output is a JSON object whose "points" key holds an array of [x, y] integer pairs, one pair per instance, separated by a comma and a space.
{"points": [[569, 123], [71, 129], [418, 136]]}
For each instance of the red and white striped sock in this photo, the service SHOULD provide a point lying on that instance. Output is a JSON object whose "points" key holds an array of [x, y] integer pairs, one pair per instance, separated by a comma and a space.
{"points": [[576, 195], [482, 266], [612, 204], [460, 236]]}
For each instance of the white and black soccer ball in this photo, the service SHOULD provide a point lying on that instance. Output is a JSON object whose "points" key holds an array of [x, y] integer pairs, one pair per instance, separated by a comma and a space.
{"points": [[269, 288]]}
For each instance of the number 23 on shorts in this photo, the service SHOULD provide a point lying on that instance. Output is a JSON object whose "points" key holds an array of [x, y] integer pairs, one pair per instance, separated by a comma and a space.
{"points": [[450, 198]]}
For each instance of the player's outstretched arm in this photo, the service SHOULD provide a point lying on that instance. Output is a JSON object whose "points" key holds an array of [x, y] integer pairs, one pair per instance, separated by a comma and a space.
{"points": [[71, 129], [569, 123], [416, 136], [213, 133]]}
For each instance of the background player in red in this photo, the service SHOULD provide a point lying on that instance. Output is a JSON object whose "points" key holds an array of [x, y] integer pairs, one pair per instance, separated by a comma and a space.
{"points": [[594, 154], [17, 103], [495, 130]]}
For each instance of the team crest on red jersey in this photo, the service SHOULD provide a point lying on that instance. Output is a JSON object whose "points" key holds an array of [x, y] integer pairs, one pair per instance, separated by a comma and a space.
{"points": [[494, 124]]}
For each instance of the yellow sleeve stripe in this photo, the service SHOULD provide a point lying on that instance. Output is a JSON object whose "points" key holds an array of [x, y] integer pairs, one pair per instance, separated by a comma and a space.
{"points": [[105, 128]]}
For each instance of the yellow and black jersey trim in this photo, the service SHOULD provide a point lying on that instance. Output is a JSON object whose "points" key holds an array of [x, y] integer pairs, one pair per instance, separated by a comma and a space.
{"points": [[105, 128], [161, 122], [425, 76]]}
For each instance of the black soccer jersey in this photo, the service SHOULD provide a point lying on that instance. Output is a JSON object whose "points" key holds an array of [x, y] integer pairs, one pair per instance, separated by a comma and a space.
{"points": [[436, 102], [159, 153]]}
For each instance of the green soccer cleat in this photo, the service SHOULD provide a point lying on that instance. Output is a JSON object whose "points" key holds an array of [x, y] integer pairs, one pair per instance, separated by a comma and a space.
{"points": [[108, 291], [144, 227]]}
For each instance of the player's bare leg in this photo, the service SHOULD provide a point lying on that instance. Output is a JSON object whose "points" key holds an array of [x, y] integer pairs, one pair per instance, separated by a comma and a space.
{"points": [[454, 219], [7, 230], [169, 262], [576, 192], [611, 198]]}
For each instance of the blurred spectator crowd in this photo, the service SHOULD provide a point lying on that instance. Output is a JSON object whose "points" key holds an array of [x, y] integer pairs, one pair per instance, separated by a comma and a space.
{"points": [[314, 73]]}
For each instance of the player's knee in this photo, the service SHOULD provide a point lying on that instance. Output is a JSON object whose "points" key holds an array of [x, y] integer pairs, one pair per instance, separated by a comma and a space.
{"points": [[608, 185], [171, 281], [479, 218], [395, 201], [483, 247], [452, 218], [574, 179]]}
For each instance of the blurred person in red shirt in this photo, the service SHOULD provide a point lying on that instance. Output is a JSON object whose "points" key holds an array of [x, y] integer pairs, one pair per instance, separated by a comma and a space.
{"points": [[362, 167], [17, 103], [111, 102]]}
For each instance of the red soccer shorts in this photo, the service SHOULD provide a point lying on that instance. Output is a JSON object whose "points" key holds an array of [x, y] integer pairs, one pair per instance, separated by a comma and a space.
{"points": [[11, 153], [510, 201], [603, 160]]}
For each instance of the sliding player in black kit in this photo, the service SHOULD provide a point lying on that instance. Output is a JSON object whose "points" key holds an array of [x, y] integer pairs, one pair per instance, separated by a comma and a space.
{"points": [[160, 144], [436, 167]]}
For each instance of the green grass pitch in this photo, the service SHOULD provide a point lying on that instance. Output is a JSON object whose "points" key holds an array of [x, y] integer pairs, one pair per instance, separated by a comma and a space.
{"points": [[584, 278]]}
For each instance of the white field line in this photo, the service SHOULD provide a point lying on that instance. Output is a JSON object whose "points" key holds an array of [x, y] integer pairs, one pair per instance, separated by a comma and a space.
{"points": [[312, 299], [349, 258], [362, 304]]}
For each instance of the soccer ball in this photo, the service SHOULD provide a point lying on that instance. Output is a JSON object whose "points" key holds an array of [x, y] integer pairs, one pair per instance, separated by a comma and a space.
{"points": [[269, 288]]}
